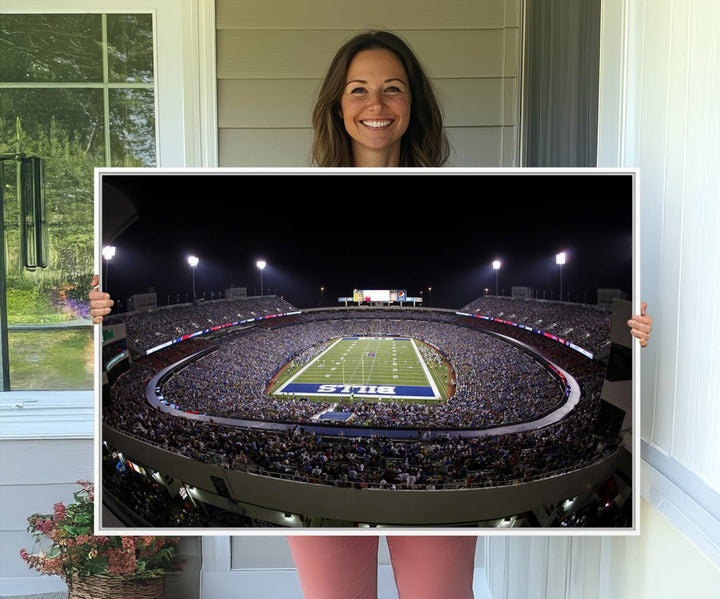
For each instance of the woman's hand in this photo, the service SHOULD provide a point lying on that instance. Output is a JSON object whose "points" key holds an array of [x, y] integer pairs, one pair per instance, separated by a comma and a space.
{"points": [[641, 325], [100, 302]]}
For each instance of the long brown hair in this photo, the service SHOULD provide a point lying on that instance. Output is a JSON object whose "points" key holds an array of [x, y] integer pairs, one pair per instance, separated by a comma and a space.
{"points": [[424, 143]]}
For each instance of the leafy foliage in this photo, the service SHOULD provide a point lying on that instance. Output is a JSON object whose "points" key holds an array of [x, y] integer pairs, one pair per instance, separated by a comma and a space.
{"points": [[75, 552]]}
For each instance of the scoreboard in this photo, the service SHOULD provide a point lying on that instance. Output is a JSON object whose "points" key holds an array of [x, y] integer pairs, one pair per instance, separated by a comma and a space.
{"points": [[380, 296]]}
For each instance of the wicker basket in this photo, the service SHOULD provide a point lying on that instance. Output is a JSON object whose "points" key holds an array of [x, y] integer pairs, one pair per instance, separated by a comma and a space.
{"points": [[116, 587]]}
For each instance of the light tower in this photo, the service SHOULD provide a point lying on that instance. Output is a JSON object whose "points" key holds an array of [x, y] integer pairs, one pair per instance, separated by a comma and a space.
{"points": [[193, 261], [496, 267], [261, 264], [560, 260], [108, 253]]}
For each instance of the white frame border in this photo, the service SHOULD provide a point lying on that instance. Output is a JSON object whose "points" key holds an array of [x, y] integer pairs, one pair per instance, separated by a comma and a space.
{"points": [[213, 532]]}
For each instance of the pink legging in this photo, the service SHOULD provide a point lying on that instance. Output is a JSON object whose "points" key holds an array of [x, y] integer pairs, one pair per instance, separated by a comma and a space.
{"points": [[345, 567]]}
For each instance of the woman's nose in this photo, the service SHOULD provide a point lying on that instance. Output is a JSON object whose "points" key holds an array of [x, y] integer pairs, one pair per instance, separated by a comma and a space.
{"points": [[376, 99]]}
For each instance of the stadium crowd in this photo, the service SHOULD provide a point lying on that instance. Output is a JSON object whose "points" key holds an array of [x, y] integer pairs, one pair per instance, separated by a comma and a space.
{"points": [[584, 325], [496, 383], [147, 329], [446, 461]]}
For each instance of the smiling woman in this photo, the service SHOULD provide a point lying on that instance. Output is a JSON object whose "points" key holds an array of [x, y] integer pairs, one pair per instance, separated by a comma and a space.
{"points": [[377, 108]]}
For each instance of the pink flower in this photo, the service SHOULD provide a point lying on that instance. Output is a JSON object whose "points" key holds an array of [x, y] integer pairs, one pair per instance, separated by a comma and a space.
{"points": [[128, 542], [53, 566], [77, 554], [121, 561], [44, 526], [59, 512]]}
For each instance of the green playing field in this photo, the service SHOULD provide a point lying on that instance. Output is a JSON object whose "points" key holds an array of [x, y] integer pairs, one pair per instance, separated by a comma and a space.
{"points": [[370, 367]]}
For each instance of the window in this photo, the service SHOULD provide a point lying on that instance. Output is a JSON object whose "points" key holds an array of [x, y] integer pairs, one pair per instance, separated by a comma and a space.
{"points": [[78, 91]]}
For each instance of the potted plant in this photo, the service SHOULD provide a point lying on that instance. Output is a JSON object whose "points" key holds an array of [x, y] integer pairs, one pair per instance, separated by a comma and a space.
{"points": [[96, 567]]}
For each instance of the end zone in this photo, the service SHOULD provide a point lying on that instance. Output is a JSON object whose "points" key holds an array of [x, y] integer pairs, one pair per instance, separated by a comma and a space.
{"points": [[358, 391]]}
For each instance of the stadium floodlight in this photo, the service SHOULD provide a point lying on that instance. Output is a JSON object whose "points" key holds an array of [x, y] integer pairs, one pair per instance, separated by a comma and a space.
{"points": [[108, 253], [560, 260], [261, 264], [496, 267], [193, 261]]}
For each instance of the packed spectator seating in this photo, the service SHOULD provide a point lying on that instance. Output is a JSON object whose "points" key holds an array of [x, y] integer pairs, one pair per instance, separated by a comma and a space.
{"points": [[147, 329], [585, 325], [497, 383], [446, 461]]}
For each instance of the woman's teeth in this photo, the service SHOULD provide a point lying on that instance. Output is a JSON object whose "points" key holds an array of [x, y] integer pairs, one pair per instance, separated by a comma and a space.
{"points": [[376, 124]]}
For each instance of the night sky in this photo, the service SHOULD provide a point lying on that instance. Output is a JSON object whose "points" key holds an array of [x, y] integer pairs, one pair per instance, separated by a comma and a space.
{"points": [[342, 231]]}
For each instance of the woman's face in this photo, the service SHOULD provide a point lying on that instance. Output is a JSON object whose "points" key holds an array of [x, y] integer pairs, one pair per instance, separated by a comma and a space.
{"points": [[375, 105]]}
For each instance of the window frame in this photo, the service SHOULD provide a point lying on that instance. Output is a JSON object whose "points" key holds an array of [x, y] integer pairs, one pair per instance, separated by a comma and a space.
{"points": [[186, 136]]}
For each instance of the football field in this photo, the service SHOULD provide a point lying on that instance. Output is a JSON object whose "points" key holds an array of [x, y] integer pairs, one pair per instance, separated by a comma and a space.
{"points": [[383, 368]]}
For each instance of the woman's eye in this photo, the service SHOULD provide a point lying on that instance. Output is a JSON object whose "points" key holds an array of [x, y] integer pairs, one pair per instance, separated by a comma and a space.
{"points": [[357, 90], [393, 89]]}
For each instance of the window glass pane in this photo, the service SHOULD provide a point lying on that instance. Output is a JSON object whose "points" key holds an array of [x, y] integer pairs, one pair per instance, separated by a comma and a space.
{"points": [[130, 48], [65, 128], [54, 359], [53, 122], [132, 127], [40, 48], [50, 336]]}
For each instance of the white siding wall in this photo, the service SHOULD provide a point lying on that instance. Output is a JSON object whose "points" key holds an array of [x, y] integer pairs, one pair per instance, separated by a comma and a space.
{"points": [[660, 563], [660, 84], [271, 58], [672, 132], [45, 447]]}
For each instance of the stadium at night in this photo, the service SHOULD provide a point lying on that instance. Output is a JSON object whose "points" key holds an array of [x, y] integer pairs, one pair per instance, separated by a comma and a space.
{"points": [[391, 379]]}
